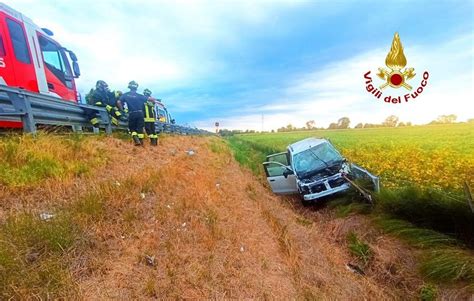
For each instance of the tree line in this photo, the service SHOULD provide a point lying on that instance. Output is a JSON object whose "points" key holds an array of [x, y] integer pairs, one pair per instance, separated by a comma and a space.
{"points": [[344, 123]]}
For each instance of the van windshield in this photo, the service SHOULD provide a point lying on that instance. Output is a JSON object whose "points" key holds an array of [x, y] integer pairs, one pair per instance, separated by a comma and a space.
{"points": [[315, 159]]}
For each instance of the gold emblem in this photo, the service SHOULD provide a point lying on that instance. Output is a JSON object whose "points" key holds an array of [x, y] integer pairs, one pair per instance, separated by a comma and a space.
{"points": [[396, 61]]}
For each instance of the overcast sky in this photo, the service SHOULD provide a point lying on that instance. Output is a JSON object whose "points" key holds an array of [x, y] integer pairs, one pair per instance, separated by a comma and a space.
{"points": [[290, 61]]}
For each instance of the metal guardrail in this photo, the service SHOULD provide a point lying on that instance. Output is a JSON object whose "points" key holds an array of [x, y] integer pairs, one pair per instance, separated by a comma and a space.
{"points": [[32, 109]]}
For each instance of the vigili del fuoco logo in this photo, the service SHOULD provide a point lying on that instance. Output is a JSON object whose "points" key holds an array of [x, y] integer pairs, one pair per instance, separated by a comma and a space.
{"points": [[396, 76]]}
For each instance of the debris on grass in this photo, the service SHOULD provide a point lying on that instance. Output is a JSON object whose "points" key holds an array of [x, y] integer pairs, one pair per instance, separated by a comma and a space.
{"points": [[150, 260], [355, 269], [45, 216]]}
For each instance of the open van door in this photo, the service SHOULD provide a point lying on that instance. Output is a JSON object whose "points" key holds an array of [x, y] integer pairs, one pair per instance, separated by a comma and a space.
{"points": [[279, 174], [371, 182]]}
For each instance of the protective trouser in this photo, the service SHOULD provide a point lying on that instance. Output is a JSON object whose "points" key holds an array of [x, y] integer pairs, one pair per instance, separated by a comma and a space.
{"points": [[150, 118], [151, 132], [114, 112], [92, 117], [136, 123]]}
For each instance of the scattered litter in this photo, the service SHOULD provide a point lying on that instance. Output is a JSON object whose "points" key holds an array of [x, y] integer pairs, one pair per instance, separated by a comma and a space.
{"points": [[218, 185], [355, 269], [46, 216], [142, 195], [242, 248], [190, 152], [183, 225], [150, 260], [122, 236], [173, 152], [117, 183], [168, 206], [32, 257]]}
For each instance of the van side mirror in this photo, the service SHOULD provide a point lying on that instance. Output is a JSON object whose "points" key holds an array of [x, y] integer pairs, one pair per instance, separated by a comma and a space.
{"points": [[76, 69], [287, 172]]}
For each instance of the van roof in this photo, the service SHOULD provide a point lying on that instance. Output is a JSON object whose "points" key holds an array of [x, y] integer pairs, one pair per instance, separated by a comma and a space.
{"points": [[305, 144]]}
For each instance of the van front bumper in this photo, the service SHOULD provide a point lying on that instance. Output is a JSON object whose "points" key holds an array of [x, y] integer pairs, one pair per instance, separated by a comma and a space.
{"points": [[313, 196]]}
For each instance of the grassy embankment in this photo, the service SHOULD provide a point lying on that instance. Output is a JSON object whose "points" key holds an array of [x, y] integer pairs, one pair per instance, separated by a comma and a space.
{"points": [[51, 207], [422, 171]]}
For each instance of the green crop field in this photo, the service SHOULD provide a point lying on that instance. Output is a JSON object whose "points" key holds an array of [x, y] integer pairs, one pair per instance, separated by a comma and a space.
{"points": [[435, 156], [422, 168]]}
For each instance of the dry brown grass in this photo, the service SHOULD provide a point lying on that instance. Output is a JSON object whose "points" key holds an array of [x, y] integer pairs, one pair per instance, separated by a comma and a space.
{"points": [[158, 223]]}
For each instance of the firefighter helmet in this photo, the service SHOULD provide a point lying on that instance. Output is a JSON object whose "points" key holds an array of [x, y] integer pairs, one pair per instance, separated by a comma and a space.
{"points": [[101, 85], [118, 93], [133, 85], [147, 92]]}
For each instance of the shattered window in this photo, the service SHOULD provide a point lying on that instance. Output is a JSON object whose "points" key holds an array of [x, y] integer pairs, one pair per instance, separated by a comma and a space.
{"points": [[316, 158]]}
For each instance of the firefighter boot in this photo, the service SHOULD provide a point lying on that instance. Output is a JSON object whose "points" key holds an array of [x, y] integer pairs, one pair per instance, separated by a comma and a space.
{"points": [[140, 138], [154, 141], [136, 140]]}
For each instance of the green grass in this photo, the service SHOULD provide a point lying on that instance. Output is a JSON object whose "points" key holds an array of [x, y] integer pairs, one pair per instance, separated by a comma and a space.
{"points": [[419, 237], [449, 265], [429, 209], [34, 256], [249, 154], [428, 292], [90, 207], [359, 248], [26, 160]]}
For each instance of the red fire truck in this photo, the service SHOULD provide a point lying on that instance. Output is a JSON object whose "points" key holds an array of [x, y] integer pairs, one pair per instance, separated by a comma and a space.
{"points": [[30, 59]]}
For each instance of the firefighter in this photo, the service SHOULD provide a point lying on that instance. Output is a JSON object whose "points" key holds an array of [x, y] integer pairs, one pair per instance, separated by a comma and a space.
{"points": [[135, 104], [103, 97], [150, 119]]}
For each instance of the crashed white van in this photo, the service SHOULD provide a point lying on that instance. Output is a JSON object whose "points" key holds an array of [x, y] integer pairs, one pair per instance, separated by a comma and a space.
{"points": [[313, 168]]}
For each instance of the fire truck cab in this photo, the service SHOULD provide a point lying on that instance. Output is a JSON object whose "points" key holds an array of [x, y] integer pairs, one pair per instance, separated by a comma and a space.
{"points": [[30, 59]]}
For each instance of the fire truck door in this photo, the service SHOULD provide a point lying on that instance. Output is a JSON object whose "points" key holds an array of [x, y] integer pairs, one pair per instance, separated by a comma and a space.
{"points": [[58, 72], [18, 64]]}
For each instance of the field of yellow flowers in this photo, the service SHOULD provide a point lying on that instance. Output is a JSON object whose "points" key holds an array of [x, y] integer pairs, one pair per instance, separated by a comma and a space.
{"points": [[435, 156]]}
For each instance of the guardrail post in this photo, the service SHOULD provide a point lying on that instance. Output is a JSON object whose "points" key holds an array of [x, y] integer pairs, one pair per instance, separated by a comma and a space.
{"points": [[22, 104], [104, 116]]}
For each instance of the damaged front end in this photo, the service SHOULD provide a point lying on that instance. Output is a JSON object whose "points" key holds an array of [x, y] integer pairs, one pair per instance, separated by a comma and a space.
{"points": [[323, 183]]}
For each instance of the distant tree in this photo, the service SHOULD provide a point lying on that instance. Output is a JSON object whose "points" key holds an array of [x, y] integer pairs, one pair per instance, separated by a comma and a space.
{"points": [[310, 125], [333, 126], [290, 127], [409, 123], [226, 132], [390, 121], [371, 125], [273, 131], [447, 118], [401, 124], [470, 120], [359, 125], [343, 123]]}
